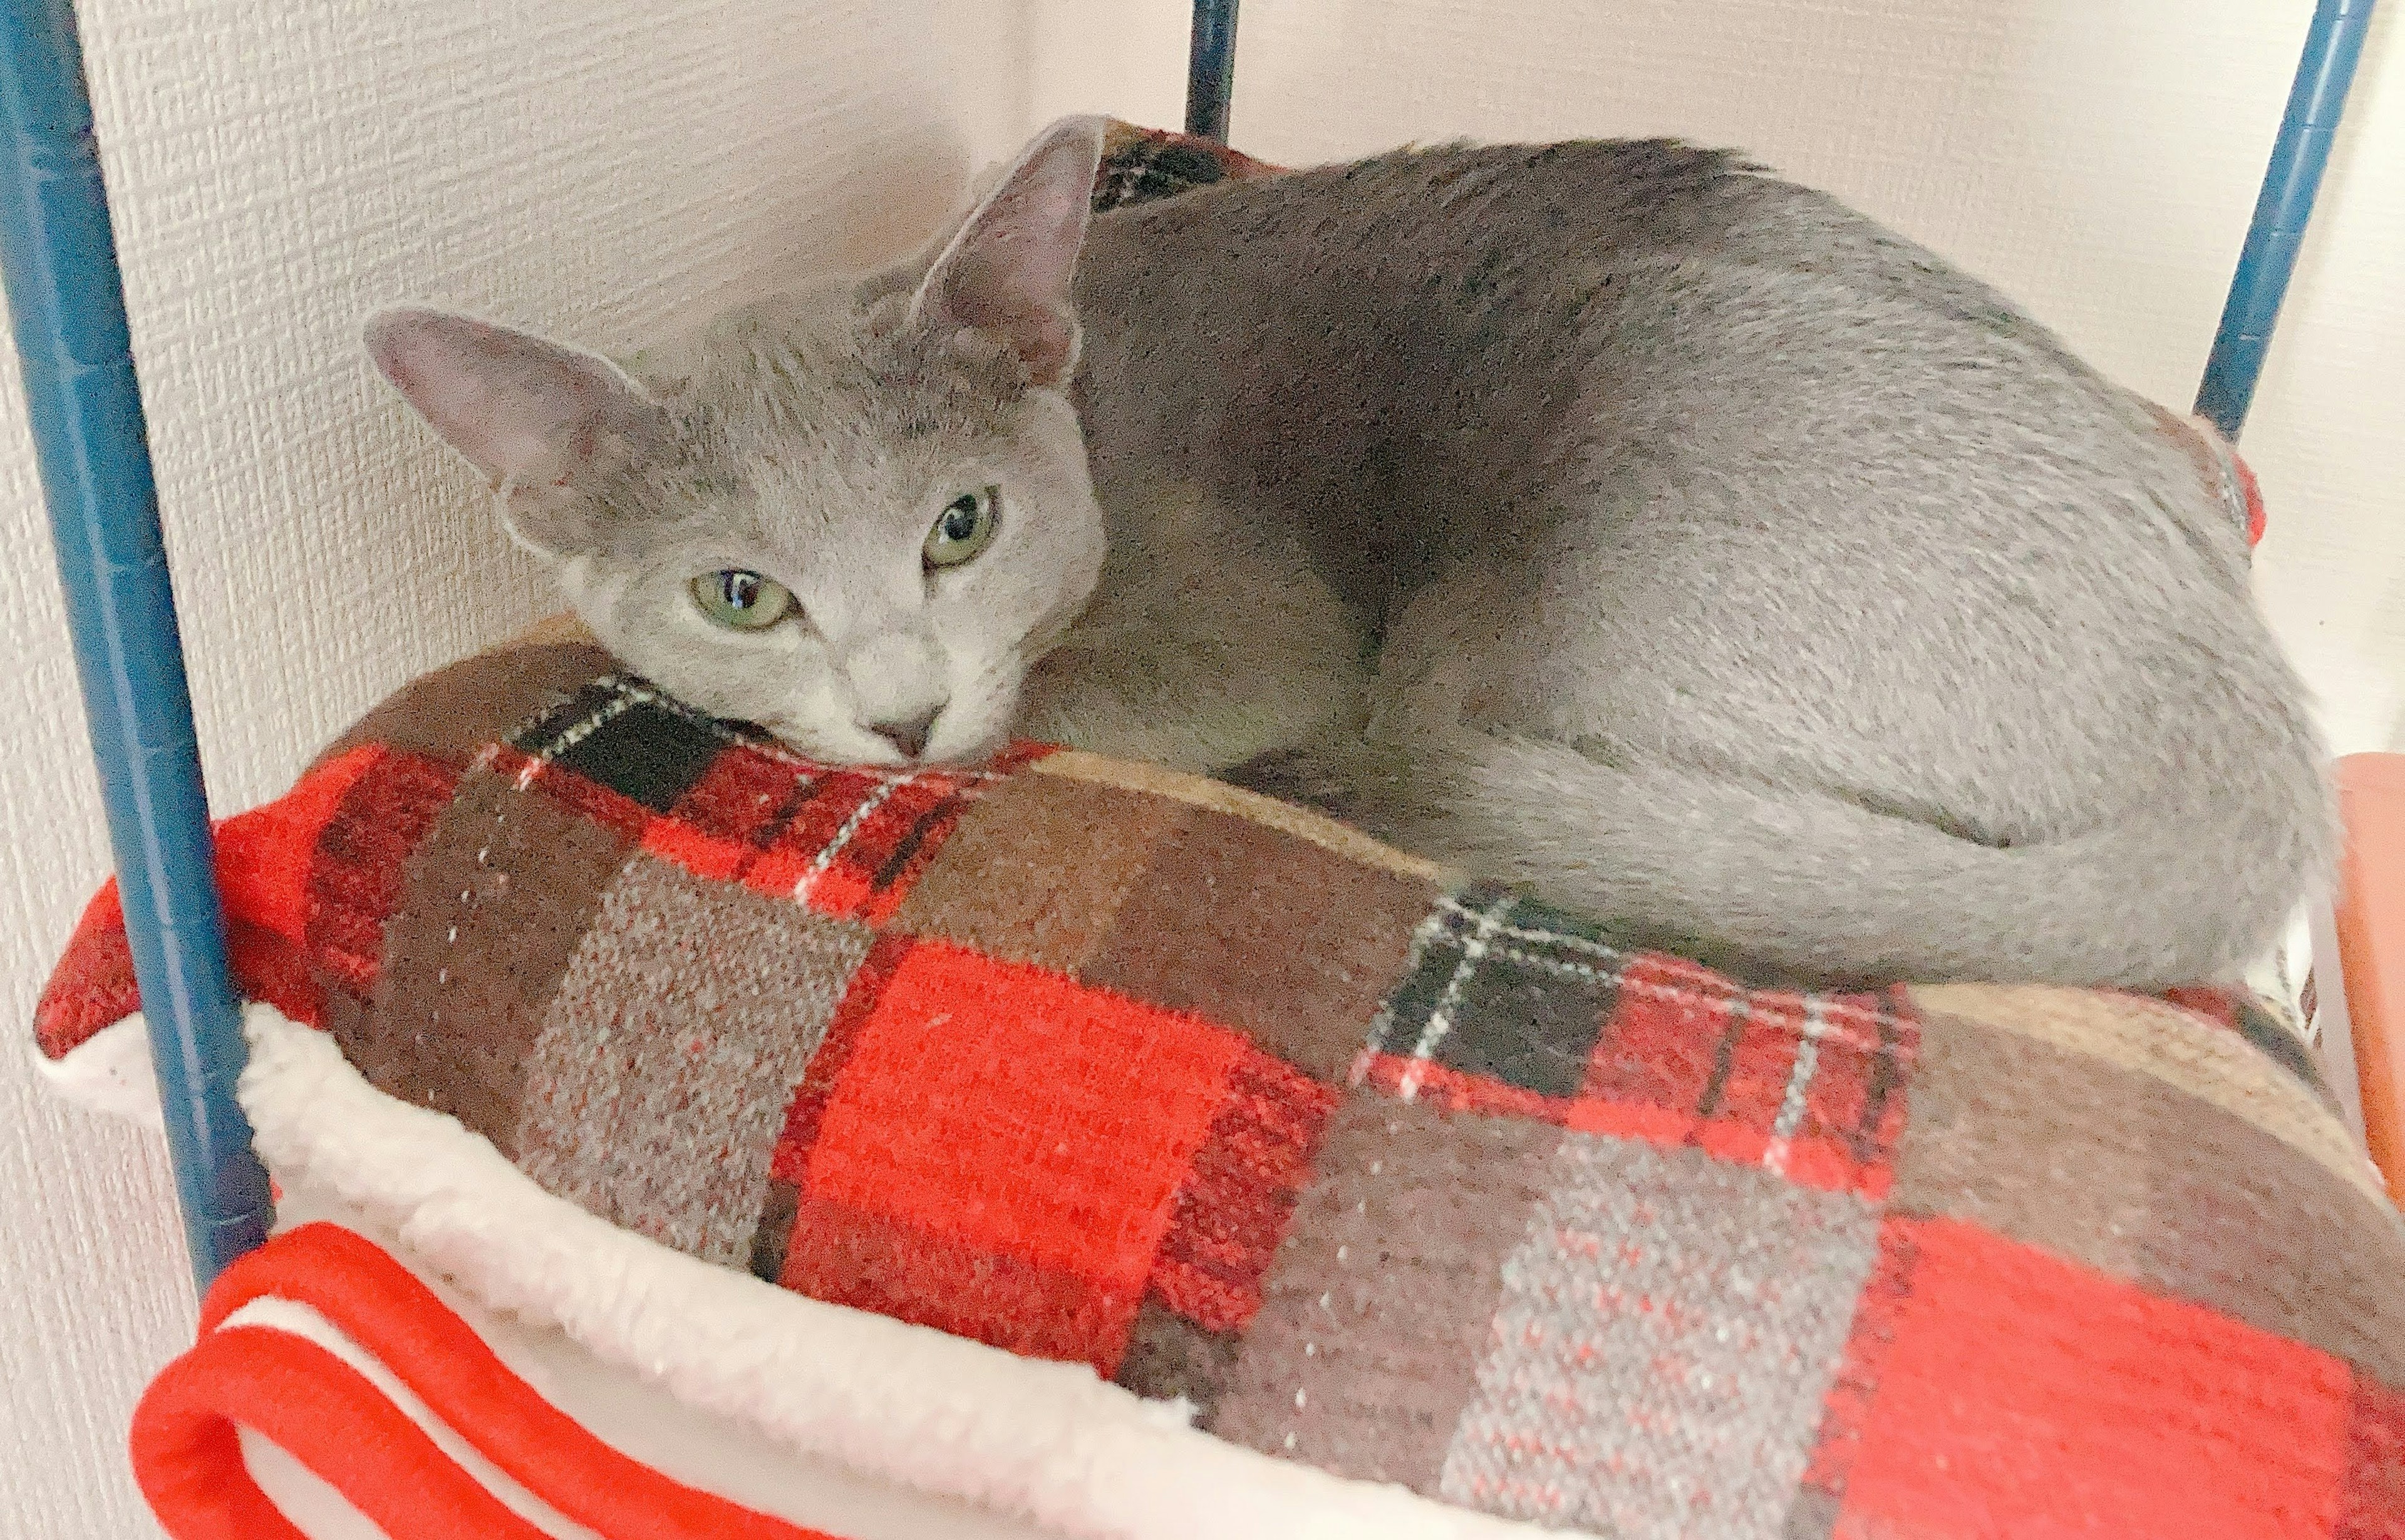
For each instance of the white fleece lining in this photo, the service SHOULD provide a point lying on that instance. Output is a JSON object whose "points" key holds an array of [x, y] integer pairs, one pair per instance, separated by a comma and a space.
{"points": [[109, 1072], [1050, 1442]]}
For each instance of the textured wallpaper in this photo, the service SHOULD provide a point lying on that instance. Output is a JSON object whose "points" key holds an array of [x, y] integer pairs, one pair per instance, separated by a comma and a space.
{"points": [[605, 167], [2096, 160], [608, 168]]}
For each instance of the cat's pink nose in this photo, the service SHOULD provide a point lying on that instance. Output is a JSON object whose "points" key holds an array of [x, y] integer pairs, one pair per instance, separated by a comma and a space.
{"points": [[909, 735]]}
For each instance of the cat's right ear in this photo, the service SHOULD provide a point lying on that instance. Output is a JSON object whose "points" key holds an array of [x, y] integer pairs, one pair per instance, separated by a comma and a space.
{"points": [[1007, 273], [547, 425]]}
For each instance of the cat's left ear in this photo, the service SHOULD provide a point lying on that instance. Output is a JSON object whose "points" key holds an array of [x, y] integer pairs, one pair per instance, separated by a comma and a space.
{"points": [[1007, 272], [550, 424]]}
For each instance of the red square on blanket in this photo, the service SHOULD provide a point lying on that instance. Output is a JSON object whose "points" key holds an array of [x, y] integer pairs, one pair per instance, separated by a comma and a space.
{"points": [[2010, 1393], [357, 867], [2375, 1472], [1239, 1192], [1805, 1084], [853, 844], [1001, 1108]]}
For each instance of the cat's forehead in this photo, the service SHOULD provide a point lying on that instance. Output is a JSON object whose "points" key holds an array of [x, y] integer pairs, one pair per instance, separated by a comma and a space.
{"points": [[814, 367], [808, 422]]}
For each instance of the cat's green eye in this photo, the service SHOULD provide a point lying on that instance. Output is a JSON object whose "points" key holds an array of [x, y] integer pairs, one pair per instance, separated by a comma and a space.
{"points": [[741, 600], [963, 530]]}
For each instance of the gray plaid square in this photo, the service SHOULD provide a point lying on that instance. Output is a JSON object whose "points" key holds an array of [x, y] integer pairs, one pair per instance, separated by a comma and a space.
{"points": [[1667, 1329], [659, 1083]]}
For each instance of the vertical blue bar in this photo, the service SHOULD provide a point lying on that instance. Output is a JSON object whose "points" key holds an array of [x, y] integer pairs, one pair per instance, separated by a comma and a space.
{"points": [[58, 256], [1211, 69], [2333, 45]]}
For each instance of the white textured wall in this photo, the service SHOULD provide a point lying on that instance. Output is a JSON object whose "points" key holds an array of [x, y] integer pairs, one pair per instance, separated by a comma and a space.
{"points": [[2096, 159], [607, 165], [603, 166]]}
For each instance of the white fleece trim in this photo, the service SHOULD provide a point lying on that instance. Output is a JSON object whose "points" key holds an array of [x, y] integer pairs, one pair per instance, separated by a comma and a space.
{"points": [[1045, 1441], [109, 1072]]}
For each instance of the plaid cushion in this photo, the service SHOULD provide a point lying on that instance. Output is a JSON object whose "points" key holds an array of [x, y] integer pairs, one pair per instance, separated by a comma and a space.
{"points": [[1407, 1179], [1411, 1181]]}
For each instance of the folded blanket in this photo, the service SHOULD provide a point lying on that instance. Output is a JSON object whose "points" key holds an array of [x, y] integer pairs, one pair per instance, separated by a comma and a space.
{"points": [[1136, 1156]]}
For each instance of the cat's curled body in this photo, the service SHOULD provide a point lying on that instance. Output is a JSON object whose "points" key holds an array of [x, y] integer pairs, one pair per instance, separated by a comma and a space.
{"points": [[1611, 517]]}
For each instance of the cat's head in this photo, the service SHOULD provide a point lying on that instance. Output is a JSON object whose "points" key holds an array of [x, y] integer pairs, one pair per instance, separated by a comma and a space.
{"points": [[855, 516]]}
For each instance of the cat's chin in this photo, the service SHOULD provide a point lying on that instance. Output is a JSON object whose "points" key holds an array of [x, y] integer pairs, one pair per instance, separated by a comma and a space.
{"points": [[971, 756]]}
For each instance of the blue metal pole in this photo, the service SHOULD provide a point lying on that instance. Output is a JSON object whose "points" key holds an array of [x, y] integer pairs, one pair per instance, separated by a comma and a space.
{"points": [[2333, 44], [58, 256], [1211, 69]]}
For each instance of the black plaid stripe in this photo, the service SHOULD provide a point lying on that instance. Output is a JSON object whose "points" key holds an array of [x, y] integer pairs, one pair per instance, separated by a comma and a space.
{"points": [[1504, 987], [626, 735], [850, 836]]}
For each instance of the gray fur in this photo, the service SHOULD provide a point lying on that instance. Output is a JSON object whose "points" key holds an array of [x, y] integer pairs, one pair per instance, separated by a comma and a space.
{"points": [[1611, 517]]}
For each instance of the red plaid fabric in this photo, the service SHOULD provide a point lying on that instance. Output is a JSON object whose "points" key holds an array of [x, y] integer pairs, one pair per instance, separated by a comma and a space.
{"points": [[1663, 1050], [1414, 1184]]}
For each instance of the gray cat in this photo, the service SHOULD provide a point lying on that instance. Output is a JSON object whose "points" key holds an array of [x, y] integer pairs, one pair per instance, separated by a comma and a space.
{"points": [[1609, 517]]}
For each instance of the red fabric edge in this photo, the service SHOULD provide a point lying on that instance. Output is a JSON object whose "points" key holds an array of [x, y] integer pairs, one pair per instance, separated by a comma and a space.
{"points": [[261, 859], [320, 1410], [387, 1311]]}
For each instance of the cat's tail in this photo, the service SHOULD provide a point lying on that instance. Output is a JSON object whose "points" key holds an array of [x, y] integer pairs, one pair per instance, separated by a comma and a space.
{"points": [[2189, 889]]}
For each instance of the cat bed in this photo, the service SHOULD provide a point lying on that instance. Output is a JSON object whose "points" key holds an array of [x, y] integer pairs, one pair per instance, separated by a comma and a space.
{"points": [[1070, 1147]]}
